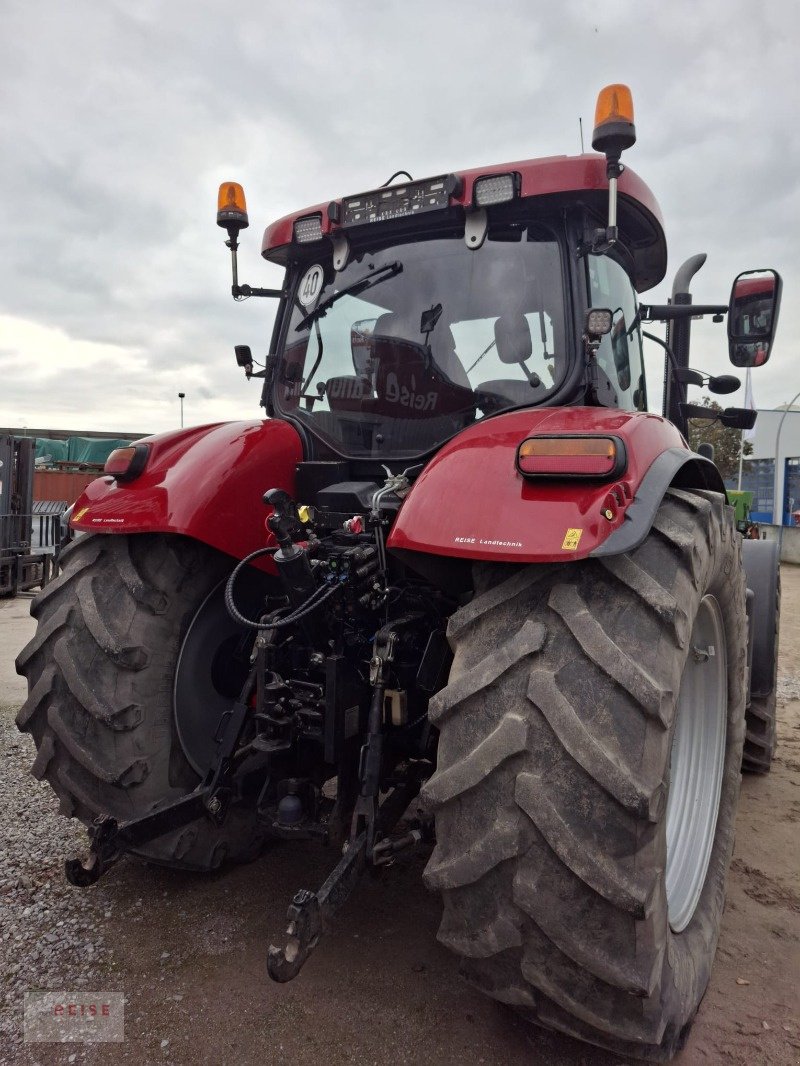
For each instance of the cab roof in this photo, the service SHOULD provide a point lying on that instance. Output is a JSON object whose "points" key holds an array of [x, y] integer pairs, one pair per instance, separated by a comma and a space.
{"points": [[581, 178]]}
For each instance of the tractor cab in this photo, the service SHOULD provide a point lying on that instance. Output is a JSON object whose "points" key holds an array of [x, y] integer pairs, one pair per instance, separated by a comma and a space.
{"points": [[414, 311]]}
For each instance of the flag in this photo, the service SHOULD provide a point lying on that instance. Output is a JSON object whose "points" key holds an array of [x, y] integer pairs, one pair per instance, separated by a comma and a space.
{"points": [[749, 404]]}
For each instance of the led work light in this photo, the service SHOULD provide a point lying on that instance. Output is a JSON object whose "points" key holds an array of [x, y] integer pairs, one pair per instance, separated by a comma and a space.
{"points": [[308, 229], [497, 189]]}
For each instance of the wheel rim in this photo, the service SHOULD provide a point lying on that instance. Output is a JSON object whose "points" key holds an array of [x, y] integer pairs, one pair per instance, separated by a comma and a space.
{"points": [[211, 669], [696, 764]]}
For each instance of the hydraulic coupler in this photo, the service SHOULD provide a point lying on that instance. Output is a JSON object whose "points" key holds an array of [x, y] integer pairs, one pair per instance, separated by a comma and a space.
{"points": [[291, 560]]}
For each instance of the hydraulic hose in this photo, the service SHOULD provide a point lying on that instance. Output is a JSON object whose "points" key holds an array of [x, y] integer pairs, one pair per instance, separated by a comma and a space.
{"points": [[315, 600]]}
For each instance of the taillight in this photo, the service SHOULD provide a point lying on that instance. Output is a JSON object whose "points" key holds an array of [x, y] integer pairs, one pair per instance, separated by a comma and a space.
{"points": [[570, 457], [126, 463]]}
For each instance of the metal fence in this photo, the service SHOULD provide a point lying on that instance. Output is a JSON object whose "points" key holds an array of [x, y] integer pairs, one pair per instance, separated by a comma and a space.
{"points": [[30, 532], [47, 523]]}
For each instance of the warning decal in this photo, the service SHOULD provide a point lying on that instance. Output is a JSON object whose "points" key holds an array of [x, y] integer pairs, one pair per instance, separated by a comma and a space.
{"points": [[571, 540]]}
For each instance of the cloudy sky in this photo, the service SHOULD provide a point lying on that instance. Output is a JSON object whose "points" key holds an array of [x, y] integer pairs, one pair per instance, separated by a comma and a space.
{"points": [[119, 120]]}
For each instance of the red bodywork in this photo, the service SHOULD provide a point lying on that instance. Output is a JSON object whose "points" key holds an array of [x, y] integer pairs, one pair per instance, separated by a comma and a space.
{"points": [[471, 502], [206, 482]]}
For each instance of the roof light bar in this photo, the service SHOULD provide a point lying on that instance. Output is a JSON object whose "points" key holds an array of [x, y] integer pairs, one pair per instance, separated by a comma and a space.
{"points": [[572, 457], [308, 229], [495, 189], [399, 201]]}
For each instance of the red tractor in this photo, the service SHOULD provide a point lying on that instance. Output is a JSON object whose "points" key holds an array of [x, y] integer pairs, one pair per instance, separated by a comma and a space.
{"points": [[485, 579]]}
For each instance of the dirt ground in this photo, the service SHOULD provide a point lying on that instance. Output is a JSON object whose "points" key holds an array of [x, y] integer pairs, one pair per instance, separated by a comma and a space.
{"points": [[190, 951]]}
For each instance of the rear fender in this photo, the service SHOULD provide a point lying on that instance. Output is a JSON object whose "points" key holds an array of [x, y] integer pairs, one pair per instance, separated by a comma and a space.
{"points": [[470, 502], [206, 482]]}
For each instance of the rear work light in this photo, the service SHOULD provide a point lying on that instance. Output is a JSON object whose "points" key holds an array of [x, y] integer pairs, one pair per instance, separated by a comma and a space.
{"points": [[572, 457], [125, 464], [599, 321], [308, 229], [497, 189]]}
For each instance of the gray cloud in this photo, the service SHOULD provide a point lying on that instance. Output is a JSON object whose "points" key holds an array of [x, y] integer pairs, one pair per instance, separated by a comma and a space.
{"points": [[120, 120]]}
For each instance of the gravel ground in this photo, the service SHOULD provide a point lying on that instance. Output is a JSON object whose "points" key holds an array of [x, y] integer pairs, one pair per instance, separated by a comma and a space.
{"points": [[188, 951], [788, 689], [51, 937]]}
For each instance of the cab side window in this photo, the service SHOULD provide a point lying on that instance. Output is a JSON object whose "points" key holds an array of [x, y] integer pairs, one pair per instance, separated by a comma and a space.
{"points": [[620, 353]]}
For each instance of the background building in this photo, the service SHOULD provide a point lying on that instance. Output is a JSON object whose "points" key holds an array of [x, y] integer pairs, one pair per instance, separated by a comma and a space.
{"points": [[758, 469]]}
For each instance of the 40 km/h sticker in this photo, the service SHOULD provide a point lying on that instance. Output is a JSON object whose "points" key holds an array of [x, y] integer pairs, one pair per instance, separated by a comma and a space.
{"points": [[310, 285], [572, 539]]}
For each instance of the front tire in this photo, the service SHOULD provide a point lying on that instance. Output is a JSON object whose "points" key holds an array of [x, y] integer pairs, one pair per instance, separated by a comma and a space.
{"points": [[761, 719], [101, 670], [552, 788]]}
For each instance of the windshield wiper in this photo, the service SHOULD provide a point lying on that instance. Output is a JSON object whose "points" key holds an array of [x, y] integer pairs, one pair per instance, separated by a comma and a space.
{"points": [[388, 270]]}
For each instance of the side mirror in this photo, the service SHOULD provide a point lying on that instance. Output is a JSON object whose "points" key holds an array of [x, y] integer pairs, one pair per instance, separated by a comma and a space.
{"points": [[723, 384], [738, 418], [753, 316], [731, 417]]}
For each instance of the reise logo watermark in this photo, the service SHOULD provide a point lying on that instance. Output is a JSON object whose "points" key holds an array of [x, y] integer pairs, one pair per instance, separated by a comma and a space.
{"points": [[66, 1017]]}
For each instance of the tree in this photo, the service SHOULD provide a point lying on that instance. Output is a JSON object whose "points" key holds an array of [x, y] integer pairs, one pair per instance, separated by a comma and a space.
{"points": [[726, 441]]}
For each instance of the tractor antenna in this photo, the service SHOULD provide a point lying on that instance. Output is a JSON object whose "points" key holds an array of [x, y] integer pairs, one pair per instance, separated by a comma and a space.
{"points": [[580, 127]]}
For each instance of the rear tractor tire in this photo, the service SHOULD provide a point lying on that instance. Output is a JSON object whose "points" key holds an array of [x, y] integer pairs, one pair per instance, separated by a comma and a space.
{"points": [[588, 777], [112, 630]]}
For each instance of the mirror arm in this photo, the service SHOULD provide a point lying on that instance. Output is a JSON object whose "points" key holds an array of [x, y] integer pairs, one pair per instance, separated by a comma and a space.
{"points": [[686, 376], [731, 417], [670, 354], [243, 292], [667, 312], [695, 411], [602, 240]]}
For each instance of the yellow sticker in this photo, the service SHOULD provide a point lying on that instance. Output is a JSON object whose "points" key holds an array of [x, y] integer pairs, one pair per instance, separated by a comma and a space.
{"points": [[572, 540], [77, 517]]}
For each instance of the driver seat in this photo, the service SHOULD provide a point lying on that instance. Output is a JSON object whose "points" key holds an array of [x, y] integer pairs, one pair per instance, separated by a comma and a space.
{"points": [[514, 345]]}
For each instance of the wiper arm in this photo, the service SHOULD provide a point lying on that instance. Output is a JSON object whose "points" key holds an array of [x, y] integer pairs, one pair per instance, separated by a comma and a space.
{"points": [[388, 270]]}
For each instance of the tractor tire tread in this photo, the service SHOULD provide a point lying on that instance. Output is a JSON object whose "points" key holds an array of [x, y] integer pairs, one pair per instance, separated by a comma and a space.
{"points": [[550, 789], [100, 668]]}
